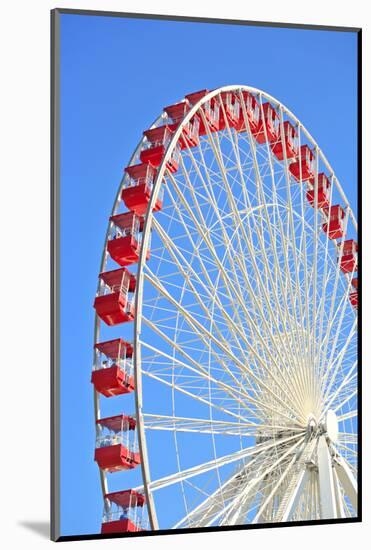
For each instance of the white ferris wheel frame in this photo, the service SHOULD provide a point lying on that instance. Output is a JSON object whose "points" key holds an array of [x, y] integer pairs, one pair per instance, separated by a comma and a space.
{"points": [[342, 471]]}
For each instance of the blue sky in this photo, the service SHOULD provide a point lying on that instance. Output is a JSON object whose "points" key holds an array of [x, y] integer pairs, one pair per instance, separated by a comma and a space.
{"points": [[116, 76]]}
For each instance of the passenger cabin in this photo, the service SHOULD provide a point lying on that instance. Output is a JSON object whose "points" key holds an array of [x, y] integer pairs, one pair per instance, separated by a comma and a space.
{"points": [[210, 109], [349, 256], [290, 140], [156, 145], [113, 303], [353, 295], [190, 136], [177, 111], [230, 115], [116, 447], [137, 193], [252, 108], [113, 368], [124, 512], [334, 226], [125, 238], [323, 191], [271, 121], [303, 168]]}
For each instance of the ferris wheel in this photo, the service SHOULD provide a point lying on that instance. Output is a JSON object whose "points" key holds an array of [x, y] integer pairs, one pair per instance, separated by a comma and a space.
{"points": [[225, 371]]}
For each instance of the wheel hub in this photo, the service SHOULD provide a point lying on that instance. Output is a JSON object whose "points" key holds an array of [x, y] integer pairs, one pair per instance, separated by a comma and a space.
{"points": [[311, 424]]}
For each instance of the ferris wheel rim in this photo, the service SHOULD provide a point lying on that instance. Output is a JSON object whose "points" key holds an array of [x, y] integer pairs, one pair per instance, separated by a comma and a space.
{"points": [[158, 182]]}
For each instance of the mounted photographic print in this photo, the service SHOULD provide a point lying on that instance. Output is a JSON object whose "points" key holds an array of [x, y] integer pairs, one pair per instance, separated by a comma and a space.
{"points": [[205, 274]]}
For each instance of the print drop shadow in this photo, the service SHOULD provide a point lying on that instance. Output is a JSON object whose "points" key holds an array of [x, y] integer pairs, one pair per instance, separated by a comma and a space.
{"points": [[41, 528]]}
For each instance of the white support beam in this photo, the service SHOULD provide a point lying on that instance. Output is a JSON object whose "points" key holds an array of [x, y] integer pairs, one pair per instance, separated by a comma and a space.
{"points": [[347, 480], [295, 496], [339, 497], [326, 481]]}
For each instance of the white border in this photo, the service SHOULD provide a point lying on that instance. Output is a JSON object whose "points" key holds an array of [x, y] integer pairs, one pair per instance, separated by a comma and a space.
{"points": [[24, 42]]}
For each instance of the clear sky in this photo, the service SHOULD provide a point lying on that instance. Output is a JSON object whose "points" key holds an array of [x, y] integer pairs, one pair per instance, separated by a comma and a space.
{"points": [[116, 76]]}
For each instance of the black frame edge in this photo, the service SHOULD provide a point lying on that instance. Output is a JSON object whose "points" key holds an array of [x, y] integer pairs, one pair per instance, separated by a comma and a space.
{"points": [[193, 530], [54, 284], [195, 19], [359, 219]]}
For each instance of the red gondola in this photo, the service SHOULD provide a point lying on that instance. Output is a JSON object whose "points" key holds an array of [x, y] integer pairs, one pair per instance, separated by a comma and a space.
{"points": [[113, 368], [116, 446], [303, 168], [137, 194], [291, 142], [335, 221], [177, 111], [211, 110], [123, 512], [272, 125], [158, 140], [125, 239], [353, 296], [231, 106], [323, 193], [252, 108], [113, 304], [349, 256], [190, 134]]}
